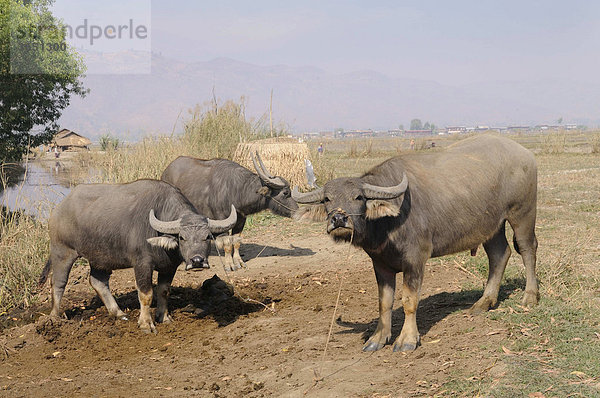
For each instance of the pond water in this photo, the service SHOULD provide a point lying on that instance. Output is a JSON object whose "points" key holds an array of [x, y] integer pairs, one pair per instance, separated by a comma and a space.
{"points": [[39, 190]]}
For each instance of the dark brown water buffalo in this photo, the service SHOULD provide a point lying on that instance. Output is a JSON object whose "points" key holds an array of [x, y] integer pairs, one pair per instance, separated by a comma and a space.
{"points": [[147, 224], [421, 205], [212, 185]]}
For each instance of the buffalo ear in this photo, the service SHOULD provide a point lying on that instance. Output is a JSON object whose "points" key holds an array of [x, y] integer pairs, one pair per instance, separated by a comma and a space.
{"points": [[381, 208], [316, 213], [165, 242], [264, 191]]}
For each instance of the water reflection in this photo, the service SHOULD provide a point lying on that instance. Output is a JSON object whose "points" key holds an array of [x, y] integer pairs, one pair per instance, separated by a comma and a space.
{"points": [[41, 188]]}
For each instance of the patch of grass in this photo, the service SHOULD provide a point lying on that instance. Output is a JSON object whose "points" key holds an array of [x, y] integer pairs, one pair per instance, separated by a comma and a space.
{"points": [[24, 246]]}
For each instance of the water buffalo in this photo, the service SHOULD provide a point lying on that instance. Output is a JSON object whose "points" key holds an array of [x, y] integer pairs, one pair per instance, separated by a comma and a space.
{"points": [[212, 185], [421, 205], [147, 224]]}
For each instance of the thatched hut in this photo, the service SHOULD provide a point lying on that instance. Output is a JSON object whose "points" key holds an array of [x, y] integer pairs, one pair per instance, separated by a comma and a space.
{"points": [[282, 156], [67, 140]]}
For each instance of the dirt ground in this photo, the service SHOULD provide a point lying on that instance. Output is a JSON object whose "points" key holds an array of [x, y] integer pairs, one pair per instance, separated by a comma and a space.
{"points": [[265, 339]]}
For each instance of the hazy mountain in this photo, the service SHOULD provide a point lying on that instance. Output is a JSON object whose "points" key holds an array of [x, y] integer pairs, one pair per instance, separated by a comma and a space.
{"points": [[311, 99]]}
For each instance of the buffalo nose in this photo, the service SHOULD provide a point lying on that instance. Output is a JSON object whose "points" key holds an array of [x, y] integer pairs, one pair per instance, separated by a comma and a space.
{"points": [[197, 261], [339, 220]]}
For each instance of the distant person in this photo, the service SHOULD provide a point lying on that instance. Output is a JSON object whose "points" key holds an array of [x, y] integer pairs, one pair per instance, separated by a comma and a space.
{"points": [[412, 145], [433, 144], [56, 154], [320, 149]]}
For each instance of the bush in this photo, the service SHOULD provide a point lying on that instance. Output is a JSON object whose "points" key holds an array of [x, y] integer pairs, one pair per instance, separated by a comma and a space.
{"points": [[109, 143]]}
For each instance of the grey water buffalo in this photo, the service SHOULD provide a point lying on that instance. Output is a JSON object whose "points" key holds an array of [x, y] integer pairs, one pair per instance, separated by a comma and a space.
{"points": [[422, 205], [212, 185], [147, 224]]}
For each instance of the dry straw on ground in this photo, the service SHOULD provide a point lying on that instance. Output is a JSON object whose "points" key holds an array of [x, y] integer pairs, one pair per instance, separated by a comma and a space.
{"points": [[282, 156]]}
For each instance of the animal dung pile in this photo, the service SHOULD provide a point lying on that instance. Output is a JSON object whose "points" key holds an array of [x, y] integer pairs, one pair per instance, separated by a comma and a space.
{"points": [[282, 156]]}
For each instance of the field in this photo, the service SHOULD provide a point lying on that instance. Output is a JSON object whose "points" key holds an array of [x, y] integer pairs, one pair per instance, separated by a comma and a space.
{"points": [[268, 336]]}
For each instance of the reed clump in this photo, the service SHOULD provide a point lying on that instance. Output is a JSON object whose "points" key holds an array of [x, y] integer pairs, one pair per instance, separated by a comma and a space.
{"points": [[210, 132], [554, 143], [24, 247]]}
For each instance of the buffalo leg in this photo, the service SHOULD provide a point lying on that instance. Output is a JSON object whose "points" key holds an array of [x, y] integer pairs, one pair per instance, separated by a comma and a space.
{"points": [[61, 261], [386, 285], [237, 259], [162, 296], [411, 288], [143, 281], [224, 243], [498, 253], [524, 229], [99, 281]]}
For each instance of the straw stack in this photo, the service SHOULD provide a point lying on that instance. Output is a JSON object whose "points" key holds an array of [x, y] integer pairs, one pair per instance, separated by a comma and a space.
{"points": [[281, 155]]}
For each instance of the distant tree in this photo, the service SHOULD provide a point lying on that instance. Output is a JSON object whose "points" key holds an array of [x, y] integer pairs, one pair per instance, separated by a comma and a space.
{"points": [[426, 126], [36, 84], [432, 127], [416, 124], [401, 127], [560, 120]]}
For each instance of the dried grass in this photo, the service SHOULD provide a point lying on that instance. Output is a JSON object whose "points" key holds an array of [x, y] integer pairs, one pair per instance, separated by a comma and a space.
{"points": [[282, 156]]}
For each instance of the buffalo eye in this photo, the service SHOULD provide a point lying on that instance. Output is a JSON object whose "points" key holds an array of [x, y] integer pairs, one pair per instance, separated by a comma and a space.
{"points": [[326, 199], [360, 197], [181, 238]]}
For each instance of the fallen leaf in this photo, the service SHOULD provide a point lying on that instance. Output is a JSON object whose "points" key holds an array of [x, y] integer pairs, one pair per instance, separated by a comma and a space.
{"points": [[55, 354], [434, 341], [362, 291], [66, 379], [318, 283], [579, 374]]}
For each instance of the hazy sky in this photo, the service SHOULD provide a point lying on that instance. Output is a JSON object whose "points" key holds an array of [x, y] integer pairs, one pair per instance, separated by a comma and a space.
{"points": [[451, 42]]}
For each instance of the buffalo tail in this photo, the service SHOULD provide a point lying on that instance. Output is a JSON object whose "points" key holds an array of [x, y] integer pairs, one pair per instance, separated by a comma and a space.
{"points": [[516, 245], [44, 274]]}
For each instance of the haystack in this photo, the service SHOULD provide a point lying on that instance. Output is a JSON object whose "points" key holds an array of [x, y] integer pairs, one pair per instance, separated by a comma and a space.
{"points": [[281, 155]]}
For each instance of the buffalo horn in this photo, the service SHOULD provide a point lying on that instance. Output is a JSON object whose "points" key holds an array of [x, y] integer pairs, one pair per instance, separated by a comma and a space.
{"points": [[377, 192], [220, 226], [315, 196], [263, 173], [166, 227]]}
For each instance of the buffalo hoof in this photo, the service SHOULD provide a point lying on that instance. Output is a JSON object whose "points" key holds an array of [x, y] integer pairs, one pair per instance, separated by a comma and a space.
{"points": [[238, 263], [164, 318], [372, 346], [482, 305], [530, 299], [405, 347], [148, 327]]}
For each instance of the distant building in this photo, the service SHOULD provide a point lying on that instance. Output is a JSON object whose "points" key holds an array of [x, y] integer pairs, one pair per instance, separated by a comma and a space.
{"points": [[456, 129], [67, 140]]}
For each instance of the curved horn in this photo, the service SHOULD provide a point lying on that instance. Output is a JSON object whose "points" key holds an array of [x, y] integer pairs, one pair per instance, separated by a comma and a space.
{"points": [[166, 227], [377, 192], [262, 166], [273, 182], [220, 226], [315, 196]]}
